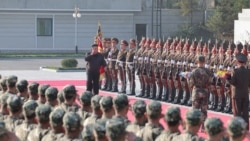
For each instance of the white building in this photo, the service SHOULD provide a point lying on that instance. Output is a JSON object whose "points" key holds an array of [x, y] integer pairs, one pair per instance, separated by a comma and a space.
{"points": [[242, 27], [48, 25]]}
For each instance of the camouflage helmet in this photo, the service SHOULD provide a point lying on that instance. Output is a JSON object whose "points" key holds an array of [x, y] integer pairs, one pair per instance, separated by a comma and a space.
{"points": [[33, 88], [95, 101], [194, 117], [99, 131], [42, 89], [154, 109], [69, 91], [15, 103], [29, 108], [56, 117], [106, 103], [22, 85], [23, 82], [139, 108], [120, 102], [85, 98], [236, 127], [71, 121], [43, 112], [213, 126], [173, 114], [51, 93], [3, 82], [87, 133], [3, 99], [12, 80], [60, 96], [115, 128]]}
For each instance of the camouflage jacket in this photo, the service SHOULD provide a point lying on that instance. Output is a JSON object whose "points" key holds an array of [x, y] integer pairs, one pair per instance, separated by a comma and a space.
{"points": [[150, 132], [52, 136], [22, 131], [200, 78], [37, 134], [167, 136], [187, 136]]}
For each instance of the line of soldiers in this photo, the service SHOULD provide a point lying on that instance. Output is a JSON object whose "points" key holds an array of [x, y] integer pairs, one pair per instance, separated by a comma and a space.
{"points": [[160, 66], [98, 118]]}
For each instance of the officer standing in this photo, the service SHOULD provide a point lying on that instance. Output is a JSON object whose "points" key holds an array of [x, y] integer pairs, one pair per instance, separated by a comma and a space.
{"points": [[199, 81], [95, 61], [240, 82]]}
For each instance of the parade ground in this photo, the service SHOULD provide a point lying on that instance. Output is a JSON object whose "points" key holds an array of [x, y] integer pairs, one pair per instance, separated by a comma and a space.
{"points": [[30, 69]]}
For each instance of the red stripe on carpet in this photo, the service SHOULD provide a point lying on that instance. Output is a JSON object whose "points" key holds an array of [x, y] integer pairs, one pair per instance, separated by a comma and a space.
{"points": [[81, 87]]}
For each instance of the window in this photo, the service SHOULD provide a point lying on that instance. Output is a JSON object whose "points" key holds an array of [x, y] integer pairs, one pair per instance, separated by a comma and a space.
{"points": [[44, 27], [140, 31]]}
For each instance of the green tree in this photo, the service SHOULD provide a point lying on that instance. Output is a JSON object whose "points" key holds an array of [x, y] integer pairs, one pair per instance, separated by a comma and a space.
{"points": [[187, 6], [221, 23]]}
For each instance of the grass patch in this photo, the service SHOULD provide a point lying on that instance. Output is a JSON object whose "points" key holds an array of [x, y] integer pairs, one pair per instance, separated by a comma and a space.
{"points": [[66, 69]]}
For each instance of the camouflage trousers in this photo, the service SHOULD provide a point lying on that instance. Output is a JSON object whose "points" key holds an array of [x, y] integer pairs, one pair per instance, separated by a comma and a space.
{"points": [[200, 100]]}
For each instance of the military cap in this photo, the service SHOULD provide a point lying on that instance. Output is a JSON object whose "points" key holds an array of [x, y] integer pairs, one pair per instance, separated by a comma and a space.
{"points": [[241, 58], [236, 127], [43, 112], [106, 102], [85, 98], [56, 117], [194, 117], [115, 39], [51, 93], [115, 128], [154, 109], [71, 121], [100, 130], [120, 102], [42, 89], [29, 108], [124, 42], [139, 108], [201, 58], [172, 114], [60, 96], [33, 88], [213, 126], [87, 133], [95, 101], [69, 91], [14, 102]]}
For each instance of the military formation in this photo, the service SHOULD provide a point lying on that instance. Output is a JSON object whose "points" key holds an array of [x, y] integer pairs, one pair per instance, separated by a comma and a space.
{"points": [[40, 112], [160, 68]]}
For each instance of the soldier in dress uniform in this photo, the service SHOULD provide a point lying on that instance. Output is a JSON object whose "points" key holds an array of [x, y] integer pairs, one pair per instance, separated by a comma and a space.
{"points": [[130, 67], [138, 58], [150, 72], [138, 110], [106, 49], [120, 65], [164, 69], [112, 58]]}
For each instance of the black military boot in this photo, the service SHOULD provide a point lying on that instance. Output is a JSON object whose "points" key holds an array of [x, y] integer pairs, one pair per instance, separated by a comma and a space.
{"points": [[152, 91], [114, 86], [123, 88], [159, 93], [109, 86], [186, 96], [142, 91], [147, 91], [131, 89], [164, 96]]}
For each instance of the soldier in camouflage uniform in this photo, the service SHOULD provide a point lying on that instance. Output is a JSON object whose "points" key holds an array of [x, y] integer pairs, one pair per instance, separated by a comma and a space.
{"points": [[138, 58], [193, 121], [130, 67], [121, 107], [153, 128], [200, 81], [72, 126], [15, 108], [51, 96], [33, 90], [11, 84], [120, 65], [85, 100], [138, 110], [6, 135], [112, 57], [108, 80], [99, 132], [42, 114], [29, 122], [116, 130], [22, 87], [237, 129], [56, 123], [96, 110], [3, 85], [173, 120], [69, 94], [41, 93], [3, 106], [215, 129], [108, 112]]}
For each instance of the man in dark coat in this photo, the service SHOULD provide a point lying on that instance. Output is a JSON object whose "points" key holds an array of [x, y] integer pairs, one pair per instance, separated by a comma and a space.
{"points": [[240, 82]]}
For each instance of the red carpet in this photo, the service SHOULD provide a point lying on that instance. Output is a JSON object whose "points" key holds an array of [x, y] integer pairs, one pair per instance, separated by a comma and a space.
{"points": [[80, 85]]}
